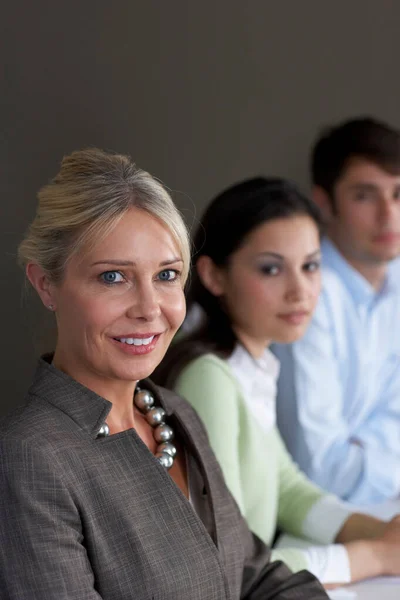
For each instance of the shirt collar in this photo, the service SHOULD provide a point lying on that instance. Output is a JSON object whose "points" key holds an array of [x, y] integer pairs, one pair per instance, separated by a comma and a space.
{"points": [[82, 405], [392, 283], [361, 290], [257, 378], [269, 363], [246, 363]]}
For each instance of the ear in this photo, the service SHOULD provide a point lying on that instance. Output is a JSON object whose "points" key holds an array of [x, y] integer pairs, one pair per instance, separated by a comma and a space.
{"points": [[323, 201], [210, 275], [42, 285]]}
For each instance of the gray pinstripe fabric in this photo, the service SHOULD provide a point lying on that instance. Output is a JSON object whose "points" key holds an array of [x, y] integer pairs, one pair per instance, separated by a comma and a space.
{"points": [[84, 518]]}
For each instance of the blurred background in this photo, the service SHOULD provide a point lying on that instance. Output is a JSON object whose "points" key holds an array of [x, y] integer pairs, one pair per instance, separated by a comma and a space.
{"points": [[200, 94]]}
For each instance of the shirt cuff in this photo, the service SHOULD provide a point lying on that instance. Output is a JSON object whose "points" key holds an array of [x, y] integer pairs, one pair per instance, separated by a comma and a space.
{"points": [[325, 519], [330, 564]]}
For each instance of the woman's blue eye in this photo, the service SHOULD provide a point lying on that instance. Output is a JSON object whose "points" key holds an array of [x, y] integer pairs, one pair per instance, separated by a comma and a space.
{"points": [[168, 275], [111, 277]]}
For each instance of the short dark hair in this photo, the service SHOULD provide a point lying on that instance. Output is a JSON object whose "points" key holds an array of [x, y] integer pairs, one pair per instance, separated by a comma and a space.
{"points": [[363, 137], [224, 227]]}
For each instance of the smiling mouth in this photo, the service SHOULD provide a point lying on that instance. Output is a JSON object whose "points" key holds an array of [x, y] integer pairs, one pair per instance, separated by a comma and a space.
{"points": [[131, 341], [137, 345]]}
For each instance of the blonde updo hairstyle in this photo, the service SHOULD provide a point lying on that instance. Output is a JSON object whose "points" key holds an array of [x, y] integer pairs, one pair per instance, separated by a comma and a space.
{"points": [[85, 201]]}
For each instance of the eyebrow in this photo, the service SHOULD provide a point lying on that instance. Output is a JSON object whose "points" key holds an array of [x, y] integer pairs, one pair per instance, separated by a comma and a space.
{"points": [[314, 254], [363, 185], [128, 263], [369, 186]]}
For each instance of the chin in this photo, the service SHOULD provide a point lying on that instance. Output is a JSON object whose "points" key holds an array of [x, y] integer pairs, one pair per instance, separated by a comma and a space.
{"points": [[288, 337], [391, 256], [136, 371], [384, 255]]}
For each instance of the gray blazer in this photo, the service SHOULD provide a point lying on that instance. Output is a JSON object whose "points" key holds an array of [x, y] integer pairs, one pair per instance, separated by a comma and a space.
{"points": [[84, 518]]}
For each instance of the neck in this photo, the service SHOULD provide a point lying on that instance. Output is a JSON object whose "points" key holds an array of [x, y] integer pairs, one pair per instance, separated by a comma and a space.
{"points": [[373, 271], [254, 346], [374, 274], [119, 392]]}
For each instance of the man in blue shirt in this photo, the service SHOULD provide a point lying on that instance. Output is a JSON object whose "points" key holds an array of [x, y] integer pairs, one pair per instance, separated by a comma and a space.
{"points": [[339, 389]]}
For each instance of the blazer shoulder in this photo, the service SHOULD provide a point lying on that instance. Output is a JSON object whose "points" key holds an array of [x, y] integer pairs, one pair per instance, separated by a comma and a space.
{"points": [[27, 422]]}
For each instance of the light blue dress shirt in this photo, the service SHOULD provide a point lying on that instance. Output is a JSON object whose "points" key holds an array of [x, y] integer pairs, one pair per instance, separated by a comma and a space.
{"points": [[338, 404]]}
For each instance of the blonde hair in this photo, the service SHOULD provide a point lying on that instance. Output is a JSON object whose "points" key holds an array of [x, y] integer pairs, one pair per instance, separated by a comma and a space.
{"points": [[85, 201]]}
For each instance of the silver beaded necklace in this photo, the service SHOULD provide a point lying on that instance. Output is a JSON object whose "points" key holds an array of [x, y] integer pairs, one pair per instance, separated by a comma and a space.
{"points": [[155, 416]]}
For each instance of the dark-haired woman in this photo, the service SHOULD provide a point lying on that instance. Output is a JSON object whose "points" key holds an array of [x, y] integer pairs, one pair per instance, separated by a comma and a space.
{"points": [[257, 281]]}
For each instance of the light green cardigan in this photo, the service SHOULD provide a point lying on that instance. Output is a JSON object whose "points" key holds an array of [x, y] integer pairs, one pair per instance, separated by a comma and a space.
{"points": [[267, 485]]}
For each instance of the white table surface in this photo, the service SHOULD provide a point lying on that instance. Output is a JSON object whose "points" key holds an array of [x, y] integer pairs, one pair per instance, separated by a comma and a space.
{"points": [[380, 588]]}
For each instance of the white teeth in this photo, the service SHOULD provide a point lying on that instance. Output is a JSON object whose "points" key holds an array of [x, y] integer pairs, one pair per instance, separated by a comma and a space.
{"points": [[137, 341]]}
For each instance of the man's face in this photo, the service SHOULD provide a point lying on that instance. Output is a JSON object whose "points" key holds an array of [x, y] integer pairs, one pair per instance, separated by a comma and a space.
{"points": [[365, 220]]}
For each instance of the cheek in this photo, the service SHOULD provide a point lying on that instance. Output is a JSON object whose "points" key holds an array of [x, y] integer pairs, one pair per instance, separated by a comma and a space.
{"points": [[174, 309], [256, 297], [316, 287], [92, 311], [362, 220], [265, 291]]}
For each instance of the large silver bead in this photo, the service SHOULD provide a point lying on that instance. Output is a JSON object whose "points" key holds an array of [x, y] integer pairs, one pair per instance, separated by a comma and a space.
{"points": [[155, 416], [168, 448], [144, 400], [165, 459], [104, 431], [163, 433]]}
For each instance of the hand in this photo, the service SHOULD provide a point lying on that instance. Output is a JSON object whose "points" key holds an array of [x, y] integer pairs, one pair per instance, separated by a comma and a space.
{"points": [[373, 546], [387, 546]]}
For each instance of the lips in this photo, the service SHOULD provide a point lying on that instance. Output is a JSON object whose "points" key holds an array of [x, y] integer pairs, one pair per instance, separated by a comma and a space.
{"points": [[133, 341], [137, 343], [295, 317], [387, 238]]}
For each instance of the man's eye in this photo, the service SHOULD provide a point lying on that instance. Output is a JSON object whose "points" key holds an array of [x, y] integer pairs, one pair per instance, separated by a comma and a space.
{"points": [[112, 277], [168, 275], [361, 196]]}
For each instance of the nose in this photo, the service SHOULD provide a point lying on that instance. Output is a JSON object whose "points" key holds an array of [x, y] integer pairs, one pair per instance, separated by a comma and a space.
{"points": [[145, 303], [388, 206], [296, 288]]}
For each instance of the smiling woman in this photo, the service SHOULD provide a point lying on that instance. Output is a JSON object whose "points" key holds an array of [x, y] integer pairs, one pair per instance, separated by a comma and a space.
{"points": [[109, 488], [111, 295]]}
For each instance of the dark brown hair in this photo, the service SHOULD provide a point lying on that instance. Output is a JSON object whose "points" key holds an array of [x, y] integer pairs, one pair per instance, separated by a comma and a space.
{"points": [[364, 138], [225, 225]]}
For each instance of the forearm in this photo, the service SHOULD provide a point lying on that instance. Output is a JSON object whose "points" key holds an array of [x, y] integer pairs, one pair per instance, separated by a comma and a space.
{"points": [[360, 527]]}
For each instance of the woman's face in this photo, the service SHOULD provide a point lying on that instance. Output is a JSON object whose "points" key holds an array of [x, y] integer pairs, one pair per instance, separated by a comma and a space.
{"points": [[272, 282], [120, 304]]}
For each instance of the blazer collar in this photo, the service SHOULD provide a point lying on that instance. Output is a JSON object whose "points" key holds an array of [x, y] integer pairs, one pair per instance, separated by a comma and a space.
{"points": [[82, 405]]}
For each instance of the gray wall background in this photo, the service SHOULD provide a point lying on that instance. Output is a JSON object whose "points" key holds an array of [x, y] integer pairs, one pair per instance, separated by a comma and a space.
{"points": [[199, 93]]}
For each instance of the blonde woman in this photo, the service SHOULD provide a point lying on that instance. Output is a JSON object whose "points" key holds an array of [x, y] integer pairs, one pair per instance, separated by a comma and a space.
{"points": [[109, 489]]}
